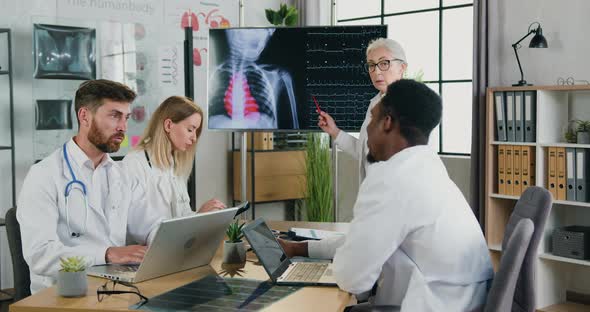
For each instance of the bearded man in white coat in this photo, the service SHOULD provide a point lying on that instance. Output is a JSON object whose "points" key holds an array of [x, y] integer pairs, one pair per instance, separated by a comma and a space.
{"points": [[78, 201], [413, 235]]}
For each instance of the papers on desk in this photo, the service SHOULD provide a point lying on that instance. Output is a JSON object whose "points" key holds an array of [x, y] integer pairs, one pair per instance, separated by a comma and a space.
{"points": [[314, 234]]}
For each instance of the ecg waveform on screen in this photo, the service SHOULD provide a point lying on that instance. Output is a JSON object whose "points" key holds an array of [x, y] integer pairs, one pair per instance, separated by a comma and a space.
{"points": [[335, 74]]}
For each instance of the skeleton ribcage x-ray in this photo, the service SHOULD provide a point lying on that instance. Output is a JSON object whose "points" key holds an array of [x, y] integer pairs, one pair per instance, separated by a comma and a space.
{"points": [[248, 95]]}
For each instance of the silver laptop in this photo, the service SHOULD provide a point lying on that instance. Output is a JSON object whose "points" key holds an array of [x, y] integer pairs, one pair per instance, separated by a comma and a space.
{"points": [[179, 244], [278, 266]]}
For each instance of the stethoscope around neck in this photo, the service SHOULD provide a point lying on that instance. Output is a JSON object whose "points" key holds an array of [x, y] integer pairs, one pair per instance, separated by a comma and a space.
{"points": [[68, 189]]}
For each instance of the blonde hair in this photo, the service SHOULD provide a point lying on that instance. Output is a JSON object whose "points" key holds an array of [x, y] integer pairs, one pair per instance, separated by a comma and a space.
{"points": [[155, 139]]}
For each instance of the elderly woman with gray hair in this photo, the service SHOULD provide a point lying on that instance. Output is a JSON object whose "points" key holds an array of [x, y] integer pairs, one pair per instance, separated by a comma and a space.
{"points": [[386, 63]]}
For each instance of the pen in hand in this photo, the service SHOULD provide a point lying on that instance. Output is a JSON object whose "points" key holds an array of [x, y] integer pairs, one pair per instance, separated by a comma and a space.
{"points": [[317, 106]]}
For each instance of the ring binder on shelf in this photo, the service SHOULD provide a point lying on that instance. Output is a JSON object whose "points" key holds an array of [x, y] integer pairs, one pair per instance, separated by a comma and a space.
{"points": [[581, 174], [530, 116], [519, 116], [561, 180], [500, 116], [570, 174], [510, 122]]}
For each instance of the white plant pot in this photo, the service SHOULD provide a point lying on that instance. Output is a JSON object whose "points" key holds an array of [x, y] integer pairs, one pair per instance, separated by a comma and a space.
{"points": [[234, 253], [72, 284], [583, 138]]}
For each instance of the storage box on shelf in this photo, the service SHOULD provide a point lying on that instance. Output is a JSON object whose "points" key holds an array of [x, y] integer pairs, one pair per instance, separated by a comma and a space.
{"points": [[552, 108]]}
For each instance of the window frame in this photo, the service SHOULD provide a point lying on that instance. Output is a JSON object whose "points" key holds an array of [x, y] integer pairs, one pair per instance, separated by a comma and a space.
{"points": [[440, 81]]}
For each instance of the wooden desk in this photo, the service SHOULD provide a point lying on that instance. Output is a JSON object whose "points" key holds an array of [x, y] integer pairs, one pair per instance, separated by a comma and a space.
{"points": [[306, 299]]}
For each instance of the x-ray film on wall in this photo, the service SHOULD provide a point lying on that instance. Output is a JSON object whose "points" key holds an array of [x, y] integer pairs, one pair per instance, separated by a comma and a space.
{"points": [[63, 52], [266, 78], [53, 115]]}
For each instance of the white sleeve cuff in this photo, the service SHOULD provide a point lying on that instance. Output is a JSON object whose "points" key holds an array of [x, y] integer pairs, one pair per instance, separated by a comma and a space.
{"points": [[340, 137], [325, 248], [93, 254], [347, 143]]}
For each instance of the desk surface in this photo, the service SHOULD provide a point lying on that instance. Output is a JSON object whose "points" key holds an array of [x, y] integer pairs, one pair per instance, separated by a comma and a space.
{"points": [[306, 299]]}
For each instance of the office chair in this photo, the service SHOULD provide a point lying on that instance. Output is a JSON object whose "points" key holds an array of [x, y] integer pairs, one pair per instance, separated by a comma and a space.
{"points": [[502, 294], [20, 269], [534, 204]]}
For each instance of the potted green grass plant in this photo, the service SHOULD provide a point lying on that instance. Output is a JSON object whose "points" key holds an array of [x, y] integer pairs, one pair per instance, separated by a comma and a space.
{"points": [[418, 76], [71, 278], [318, 191], [583, 131], [234, 250]]}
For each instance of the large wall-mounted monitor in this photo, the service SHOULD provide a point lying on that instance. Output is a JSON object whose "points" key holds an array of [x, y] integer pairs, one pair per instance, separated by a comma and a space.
{"points": [[263, 79]]}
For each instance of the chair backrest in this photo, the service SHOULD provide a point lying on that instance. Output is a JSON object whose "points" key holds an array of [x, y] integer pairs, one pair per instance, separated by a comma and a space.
{"points": [[501, 295], [20, 269], [534, 204]]}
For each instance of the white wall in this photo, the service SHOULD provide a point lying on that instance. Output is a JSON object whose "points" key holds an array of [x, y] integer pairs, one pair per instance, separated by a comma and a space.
{"points": [[564, 26]]}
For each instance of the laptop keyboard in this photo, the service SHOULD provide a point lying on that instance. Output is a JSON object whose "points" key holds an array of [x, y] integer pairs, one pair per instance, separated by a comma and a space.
{"points": [[127, 268], [307, 272]]}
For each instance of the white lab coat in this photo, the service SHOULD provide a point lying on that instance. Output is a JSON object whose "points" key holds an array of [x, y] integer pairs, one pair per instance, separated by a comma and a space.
{"points": [[413, 233], [167, 193], [41, 214], [358, 148]]}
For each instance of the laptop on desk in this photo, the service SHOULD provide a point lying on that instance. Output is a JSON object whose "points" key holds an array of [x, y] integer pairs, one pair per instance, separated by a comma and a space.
{"points": [[279, 267], [179, 244]]}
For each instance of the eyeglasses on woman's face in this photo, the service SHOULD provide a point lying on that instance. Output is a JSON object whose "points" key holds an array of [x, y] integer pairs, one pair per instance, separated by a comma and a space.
{"points": [[383, 65]]}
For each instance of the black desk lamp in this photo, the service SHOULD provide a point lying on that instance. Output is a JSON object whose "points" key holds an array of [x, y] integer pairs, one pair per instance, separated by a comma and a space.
{"points": [[538, 41]]}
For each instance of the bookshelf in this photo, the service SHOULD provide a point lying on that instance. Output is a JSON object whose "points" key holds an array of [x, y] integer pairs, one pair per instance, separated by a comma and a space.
{"points": [[555, 106]]}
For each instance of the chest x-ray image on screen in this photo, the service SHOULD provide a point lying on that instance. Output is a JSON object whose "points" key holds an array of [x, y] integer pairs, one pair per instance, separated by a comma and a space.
{"points": [[266, 78], [249, 89]]}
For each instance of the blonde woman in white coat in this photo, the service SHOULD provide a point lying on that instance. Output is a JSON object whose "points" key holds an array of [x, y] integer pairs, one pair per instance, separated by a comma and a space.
{"points": [[163, 159], [386, 63]]}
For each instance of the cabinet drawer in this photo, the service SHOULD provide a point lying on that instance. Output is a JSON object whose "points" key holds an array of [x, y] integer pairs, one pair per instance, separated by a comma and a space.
{"points": [[278, 175]]}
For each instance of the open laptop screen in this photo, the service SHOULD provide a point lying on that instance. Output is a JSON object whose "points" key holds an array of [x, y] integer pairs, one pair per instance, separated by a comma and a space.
{"points": [[267, 248]]}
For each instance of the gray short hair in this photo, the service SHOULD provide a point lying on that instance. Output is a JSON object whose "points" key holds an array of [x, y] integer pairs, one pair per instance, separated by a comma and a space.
{"points": [[391, 45]]}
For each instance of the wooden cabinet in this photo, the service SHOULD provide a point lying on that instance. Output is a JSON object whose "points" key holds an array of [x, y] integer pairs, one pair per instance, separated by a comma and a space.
{"points": [[278, 175]]}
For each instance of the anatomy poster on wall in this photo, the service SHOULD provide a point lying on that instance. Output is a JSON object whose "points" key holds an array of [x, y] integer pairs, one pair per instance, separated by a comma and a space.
{"points": [[139, 43], [200, 16]]}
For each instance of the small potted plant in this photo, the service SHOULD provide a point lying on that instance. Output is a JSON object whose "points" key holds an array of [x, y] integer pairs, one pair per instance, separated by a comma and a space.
{"points": [[285, 15], [583, 131], [234, 250], [570, 136], [71, 279]]}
